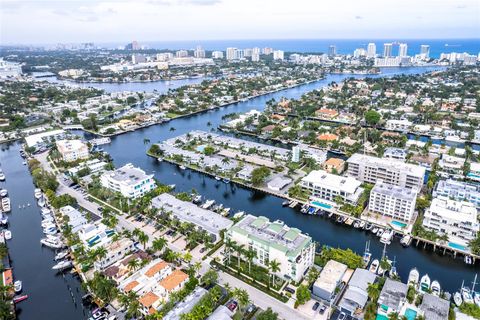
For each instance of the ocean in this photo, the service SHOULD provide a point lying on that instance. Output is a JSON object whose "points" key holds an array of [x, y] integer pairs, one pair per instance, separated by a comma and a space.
{"points": [[343, 46]]}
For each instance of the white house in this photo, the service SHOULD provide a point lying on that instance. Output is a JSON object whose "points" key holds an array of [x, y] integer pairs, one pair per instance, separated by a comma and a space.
{"points": [[130, 181], [72, 150]]}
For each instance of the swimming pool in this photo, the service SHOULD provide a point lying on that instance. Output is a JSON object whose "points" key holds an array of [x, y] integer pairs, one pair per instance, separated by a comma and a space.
{"points": [[398, 224], [410, 314], [321, 205], [201, 148], [457, 246]]}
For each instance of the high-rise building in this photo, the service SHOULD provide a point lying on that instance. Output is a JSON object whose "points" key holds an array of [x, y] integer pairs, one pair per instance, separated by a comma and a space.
{"points": [[138, 58], [278, 55], [255, 56], [296, 154], [199, 52], [256, 50], [247, 52], [371, 50], [402, 50], [239, 54], [387, 49], [425, 50], [360, 52], [217, 54], [267, 50], [332, 50], [181, 53], [231, 53]]}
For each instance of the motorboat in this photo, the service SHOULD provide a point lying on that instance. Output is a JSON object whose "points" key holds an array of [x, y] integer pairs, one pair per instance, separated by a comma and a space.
{"points": [[52, 243], [197, 199], [374, 230], [467, 295], [406, 240], [380, 232], [62, 265], [457, 299], [368, 226], [6, 205], [476, 298], [413, 276], [386, 237], [356, 225], [38, 193], [435, 288], [2, 176], [425, 283], [41, 202], [239, 214], [362, 224], [61, 255], [182, 167], [50, 230], [367, 255], [3, 219], [285, 203], [46, 224], [17, 286], [3, 192], [374, 266], [226, 180], [468, 259], [218, 178], [18, 299], [159, 159], [7, 234], [46, 211], [208, 204], [172, 186]]}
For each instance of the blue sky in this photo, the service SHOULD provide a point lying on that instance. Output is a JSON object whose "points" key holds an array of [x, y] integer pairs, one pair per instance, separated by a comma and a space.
{"points": [[40, 21]]}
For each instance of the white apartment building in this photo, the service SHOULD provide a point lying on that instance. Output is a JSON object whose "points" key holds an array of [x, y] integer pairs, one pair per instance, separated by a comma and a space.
{"points": [[458, 190], [371, 50], [398, 125], [451, 164], [324, 187], [456, 219], [130, 181], [278, 55], [217, 54], [275, 241], [231, 53], [115, 252], [394, 202], [370, 169], [72, 150]]}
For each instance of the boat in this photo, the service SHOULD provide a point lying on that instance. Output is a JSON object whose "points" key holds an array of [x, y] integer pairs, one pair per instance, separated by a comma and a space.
{"points": [[46, 224], [182, 167], [340, 219], [208, 204], [457, 299], [226, 180], [425, 283], [46, 211], [435, 288], [159, 159], [386, 237], [374, 230], [218, 178], [330, 214], [413, 276], [366, 254], [356, 225], [50, 230], [3, 192], [468, 259], [362, 224], [368, 226], [61, 255], [52, 243], [197, 199], [285, 203], [2, 176], [41, 202], [476, 298], [7, 234], [406, 240], [62, 265], [3, 219], [18, 299], [239, 214], [304, 208], [6, 205], [37, 193], [374, 266], [380, 232], [467, 295], [17, 286], [24, 163]]}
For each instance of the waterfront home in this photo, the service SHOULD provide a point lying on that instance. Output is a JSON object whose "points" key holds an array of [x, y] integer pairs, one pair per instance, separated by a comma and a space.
{"points": [[94, 235], [325, 113], [120, 269], [456, 219], [326, 187], [458, 190], [451, 164], [278, 183], [328, 137], [93, 166], [186, 305], [331, 276], [334, 165], [307, 151], [398, 125], [392, 297], [271, 241], [394, 202], [130, 181], [72, 150], [245, 173], [356, 295], [76, 219], [434, 308], [395, 154], [474, 172], [115, 251], [184, 211], [148, 277], [370, 169]]}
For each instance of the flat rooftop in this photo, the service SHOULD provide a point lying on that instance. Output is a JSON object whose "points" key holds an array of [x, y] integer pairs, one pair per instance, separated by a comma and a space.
{"points": [[330, 275], [332, 181], [206, 219], [128, 174], [395, 191], [412, 169]]}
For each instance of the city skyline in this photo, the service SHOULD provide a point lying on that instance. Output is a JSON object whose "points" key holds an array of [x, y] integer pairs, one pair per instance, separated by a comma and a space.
{"points": [[225, 19]]}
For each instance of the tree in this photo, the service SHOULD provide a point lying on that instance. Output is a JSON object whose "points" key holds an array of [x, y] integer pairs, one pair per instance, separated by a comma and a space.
{"points": [[133, 264], [143, 239], [274, 268], [242, 297], [158, 244], [393, 316], [303, 294], [259, 175], [373, 291], [267, 315], [209, 278], [372, 117], [250, 254]]}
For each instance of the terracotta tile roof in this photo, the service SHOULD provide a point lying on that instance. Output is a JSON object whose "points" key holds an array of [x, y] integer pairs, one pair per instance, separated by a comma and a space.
{"points": [[148, 299], [334, 162], [7, 277], [327, 137], [173, 280], [156, 268], [130, 286], [327, 111]]}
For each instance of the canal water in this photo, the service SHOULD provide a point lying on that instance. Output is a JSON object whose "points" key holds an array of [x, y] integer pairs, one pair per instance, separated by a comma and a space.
{"points": [[50, 295]]}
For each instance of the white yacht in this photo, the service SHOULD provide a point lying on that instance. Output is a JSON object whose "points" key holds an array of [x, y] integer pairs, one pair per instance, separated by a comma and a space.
{"points": [[374, 266], [2, 175], [386, 237], [6, 205], [7, 234], [467, 295], [17, 285], [435, 288], [41, 202], [64, 264], [406, 240], [457, 298], [425, 283], [52, 243], [3, 192], [61, 255], [38, 193], [413, 276]]}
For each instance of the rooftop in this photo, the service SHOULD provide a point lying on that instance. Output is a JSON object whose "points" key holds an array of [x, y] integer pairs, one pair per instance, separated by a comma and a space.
{"points": [[434, 308], [173, 280], [461, 210], [395, 191], [128, 174], [186, 305], [332, 181], [379, 162], [393, 294], [331, 275], [157, 267], [148, 299]]}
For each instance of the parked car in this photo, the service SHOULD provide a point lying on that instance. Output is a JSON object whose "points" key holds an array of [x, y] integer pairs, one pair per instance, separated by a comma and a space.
{"points": [[232, 305], [290, 290], [322, 309], [315, 306], [342, 316]]}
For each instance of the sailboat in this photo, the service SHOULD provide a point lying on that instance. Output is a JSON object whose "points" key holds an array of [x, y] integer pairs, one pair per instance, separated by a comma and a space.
{"points": [[476, 295], [393, 269], [367, 255]]}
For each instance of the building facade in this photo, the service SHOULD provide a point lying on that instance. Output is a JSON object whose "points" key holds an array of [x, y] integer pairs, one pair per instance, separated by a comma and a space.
{"points": [[72, 150], [130, 181], [458, 190]]}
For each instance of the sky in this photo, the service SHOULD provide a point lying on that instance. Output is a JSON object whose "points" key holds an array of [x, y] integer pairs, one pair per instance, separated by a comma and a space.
{"points": [[73, 21]]}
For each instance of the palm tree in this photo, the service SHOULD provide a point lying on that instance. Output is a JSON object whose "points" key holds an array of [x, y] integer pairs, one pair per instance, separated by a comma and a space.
{"points": [[158, 244], [250, 254], [274, 267], [187, 257], [133, 264], [143, 239], [100, 253], [225, 161], [229, 245], [241, 296], [373, 291], [240, 250], [393, 316]]}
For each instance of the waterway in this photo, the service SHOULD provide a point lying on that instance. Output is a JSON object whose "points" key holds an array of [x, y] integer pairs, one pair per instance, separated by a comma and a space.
{"points": [[49, 294]]}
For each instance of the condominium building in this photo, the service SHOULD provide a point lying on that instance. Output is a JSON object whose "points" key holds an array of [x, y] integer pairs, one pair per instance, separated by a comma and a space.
{"points": [[217, 54], [184, 211], [115, 251], [425, 50], [370, 169], [130, 181], [403, 50], [393, 201], [392, 153], [451, 164], [371, 50], [458, 190], [275, 241], [325, 187], [278, 55], [231, 53], [456, 219], [398, 125], [387, 50], [72, 150]]}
